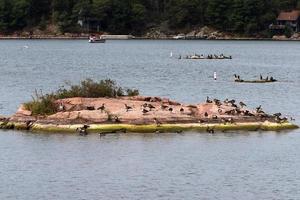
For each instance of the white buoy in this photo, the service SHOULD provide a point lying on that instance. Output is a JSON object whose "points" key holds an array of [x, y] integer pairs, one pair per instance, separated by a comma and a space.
{"points": [[171, 54], [215, 76], [25, 47]]}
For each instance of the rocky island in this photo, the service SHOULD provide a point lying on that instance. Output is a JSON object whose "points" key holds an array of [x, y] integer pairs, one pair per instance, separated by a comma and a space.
{"points": [[103, 107], [145, 114]]}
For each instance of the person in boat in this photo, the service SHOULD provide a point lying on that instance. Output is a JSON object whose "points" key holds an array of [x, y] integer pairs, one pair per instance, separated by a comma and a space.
{"points": [[202, 56], [179, 57], [267, 79], [260, 76], [272, 79]]}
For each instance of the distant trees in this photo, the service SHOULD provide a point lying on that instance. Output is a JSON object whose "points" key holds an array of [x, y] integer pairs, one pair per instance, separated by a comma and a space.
{"points": [[135, 16]]}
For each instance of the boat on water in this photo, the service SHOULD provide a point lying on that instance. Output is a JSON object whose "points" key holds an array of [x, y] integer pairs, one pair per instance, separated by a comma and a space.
{"points": [[261, 80], [255, 81], [197, 57], [94, 39]]}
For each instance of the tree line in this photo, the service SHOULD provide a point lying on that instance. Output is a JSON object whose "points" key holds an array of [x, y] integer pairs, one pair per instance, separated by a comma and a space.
{"points": [[136, 16]]}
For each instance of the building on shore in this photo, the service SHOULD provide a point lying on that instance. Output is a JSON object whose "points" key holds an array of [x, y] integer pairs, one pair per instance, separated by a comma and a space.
{"points": [[290, 19]]}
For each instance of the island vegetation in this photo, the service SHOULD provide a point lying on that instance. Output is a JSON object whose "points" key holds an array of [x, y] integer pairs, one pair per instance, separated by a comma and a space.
{"points": [[44, 104], [246, 17]]}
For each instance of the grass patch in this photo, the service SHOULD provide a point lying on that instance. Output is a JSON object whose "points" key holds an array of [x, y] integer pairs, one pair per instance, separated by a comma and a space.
{"points": [[44, 104]]}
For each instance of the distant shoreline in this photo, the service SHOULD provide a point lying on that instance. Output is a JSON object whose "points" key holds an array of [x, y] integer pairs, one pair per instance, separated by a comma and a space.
{"points": [[137, 38]]}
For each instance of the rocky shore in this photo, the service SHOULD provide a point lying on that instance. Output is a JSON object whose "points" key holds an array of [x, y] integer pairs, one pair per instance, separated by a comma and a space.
{"points": [[145, 114], [201, 33]]}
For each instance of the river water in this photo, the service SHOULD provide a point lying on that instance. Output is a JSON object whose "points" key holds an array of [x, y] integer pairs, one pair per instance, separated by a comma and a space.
{"points": [[237, 165]]}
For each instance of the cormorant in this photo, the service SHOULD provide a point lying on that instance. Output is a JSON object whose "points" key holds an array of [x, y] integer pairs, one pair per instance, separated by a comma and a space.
{"points": [[151, 106], [145, 111], [90, 108], [102, 108], [258, 109], [83, 130], [277, 114], [128, 108], [163, 107], [208, 100], [210, 130], [242, 104], [206, 114]]}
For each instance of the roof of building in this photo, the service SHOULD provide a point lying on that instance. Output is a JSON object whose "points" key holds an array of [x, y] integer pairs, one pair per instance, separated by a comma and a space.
{"points": [[289, 16]]}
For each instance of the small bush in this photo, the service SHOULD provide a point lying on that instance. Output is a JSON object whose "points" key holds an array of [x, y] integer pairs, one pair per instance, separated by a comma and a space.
{"points": [[132, 93], [91, 89], [41, 104], [45, 104]]}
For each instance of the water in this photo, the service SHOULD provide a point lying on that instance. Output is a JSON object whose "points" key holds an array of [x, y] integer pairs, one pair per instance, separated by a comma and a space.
{"points": [[190, 166]]}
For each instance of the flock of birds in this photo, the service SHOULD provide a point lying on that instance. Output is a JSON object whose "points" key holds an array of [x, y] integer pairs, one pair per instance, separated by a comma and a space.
{"points": [[244, 112], [238, 109]]}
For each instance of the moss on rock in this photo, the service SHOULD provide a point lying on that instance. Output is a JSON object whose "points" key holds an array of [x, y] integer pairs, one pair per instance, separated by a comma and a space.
{"points": [[97, 128]]}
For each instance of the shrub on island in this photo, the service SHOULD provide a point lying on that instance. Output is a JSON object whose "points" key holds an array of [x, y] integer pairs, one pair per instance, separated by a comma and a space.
{"points": [[44, 104]]}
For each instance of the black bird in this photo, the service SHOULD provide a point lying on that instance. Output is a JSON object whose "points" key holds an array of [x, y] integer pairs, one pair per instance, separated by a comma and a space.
{"points": [[90, 108], [200, 121], [206, 114], [210, 130], [117, 119], [128, 108], [145, 111], [247, 113], [242, 104], [226, 101], [151, 106], [217, 102], [102, 108], [229, 112], [145, 105], [259, 110], [232, 101], [229, 120], [208, 100], [214, 117], [277, 114], [163, 107], [83, 130]]}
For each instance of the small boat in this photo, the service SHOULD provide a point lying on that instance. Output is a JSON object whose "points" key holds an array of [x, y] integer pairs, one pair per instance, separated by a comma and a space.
{"points": [[255, 81], [96, 40]]}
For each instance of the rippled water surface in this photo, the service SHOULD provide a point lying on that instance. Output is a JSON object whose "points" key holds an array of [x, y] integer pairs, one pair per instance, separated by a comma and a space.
{"points": [[190, 166]]}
